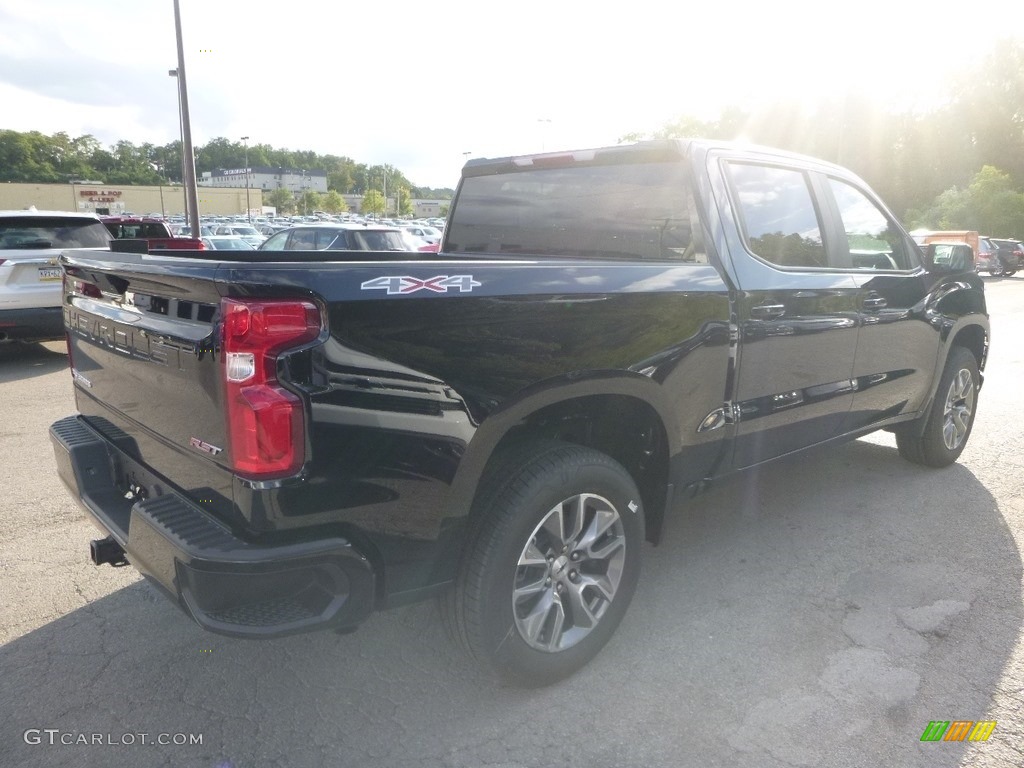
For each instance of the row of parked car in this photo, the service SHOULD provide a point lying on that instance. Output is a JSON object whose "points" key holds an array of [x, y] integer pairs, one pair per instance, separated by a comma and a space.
{"points": [[330, 236], [999, 257]]}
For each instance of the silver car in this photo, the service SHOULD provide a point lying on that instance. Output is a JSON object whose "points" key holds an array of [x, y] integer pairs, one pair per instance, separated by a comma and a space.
{"points": [[30, 277]]}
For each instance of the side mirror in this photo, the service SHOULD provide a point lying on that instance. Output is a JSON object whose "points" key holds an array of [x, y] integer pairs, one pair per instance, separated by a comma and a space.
{"points": [[948, 258]]}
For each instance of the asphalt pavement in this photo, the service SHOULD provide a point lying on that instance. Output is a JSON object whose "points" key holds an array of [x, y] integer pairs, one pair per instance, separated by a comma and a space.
{"points": [[819, 612]]}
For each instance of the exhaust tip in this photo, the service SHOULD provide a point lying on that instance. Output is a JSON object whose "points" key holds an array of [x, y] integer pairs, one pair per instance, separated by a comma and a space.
{"points": [[107, 551]]}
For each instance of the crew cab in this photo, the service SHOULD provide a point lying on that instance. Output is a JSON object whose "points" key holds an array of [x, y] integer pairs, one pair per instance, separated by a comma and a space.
{"points": [[155, 232], [288, 440]]}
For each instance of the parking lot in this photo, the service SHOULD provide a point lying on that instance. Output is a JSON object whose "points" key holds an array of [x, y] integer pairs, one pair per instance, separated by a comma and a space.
{"points": [[821, 612]]}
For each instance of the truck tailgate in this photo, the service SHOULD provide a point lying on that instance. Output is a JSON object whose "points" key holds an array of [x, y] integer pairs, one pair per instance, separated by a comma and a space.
{"points": [[142, 345]]}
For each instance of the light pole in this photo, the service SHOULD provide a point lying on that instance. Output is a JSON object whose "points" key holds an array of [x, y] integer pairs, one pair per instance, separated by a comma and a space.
{"points": [[248, 207], [181, 143], [189, 161], [545, 124]]}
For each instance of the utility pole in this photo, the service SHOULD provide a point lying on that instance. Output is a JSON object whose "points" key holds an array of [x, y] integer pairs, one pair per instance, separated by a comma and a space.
{"points": [[248, 206], [189, 161]]}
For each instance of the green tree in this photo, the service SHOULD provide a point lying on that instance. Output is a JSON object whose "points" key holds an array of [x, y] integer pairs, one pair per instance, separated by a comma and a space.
{"points": [[332, 202], [403, 201], [989, 204], [373, 202], [282, 199], [995, 207], [310, 201]]}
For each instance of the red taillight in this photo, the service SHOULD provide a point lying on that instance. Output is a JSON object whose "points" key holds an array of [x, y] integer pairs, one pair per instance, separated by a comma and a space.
{"points": [[265, 423], [83, 288]]}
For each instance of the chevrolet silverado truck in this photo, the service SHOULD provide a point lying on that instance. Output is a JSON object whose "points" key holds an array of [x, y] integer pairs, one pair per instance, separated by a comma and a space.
{"points": [[289, 440]]}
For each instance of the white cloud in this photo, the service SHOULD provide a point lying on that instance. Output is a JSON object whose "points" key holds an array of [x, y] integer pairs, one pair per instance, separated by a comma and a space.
{"points": [[416, 85]]}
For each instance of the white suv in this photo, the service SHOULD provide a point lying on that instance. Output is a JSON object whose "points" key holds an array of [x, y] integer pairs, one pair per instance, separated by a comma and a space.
{"points": [[30, 277]]}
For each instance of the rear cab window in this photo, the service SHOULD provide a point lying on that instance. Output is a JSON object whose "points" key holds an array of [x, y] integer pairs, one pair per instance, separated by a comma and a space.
{"points": [[622, 211]]}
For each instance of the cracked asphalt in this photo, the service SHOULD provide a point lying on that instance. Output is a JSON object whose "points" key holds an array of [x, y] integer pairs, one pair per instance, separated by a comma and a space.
{"points": [[820, 612]]}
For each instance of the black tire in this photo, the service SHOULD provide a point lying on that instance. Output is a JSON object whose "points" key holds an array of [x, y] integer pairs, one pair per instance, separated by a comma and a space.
{"points": [[1009, 272], [507, 601], [948, 423]]}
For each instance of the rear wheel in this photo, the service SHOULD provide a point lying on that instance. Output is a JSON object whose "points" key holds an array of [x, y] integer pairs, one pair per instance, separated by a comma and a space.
{"points": [[948, 423], [551, 564]]}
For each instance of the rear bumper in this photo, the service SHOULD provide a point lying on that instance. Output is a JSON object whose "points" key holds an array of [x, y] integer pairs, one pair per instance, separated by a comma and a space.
{"points": [[227, 584], [39, 324]]}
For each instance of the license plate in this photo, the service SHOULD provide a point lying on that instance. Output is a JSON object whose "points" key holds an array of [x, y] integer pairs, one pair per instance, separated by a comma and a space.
{"points": [[47, 274]]}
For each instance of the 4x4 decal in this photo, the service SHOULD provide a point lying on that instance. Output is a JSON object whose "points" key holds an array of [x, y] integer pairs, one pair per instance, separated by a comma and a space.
{"points": [[406, 284]]}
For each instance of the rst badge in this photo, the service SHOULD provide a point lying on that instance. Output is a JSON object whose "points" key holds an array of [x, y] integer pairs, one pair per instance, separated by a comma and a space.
{"points": [[406, 284]]}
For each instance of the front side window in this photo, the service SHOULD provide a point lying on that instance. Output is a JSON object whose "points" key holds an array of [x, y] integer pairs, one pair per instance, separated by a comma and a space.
{"points": [[303, 240], [778, 215], [875, 241], [617, 211]]}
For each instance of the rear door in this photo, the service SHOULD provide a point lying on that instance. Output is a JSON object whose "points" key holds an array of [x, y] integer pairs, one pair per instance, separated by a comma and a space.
{"points": [[796, 310]]}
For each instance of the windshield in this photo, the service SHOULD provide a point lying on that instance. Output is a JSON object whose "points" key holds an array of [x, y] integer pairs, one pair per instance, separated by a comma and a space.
{"points": [[51, 232]]}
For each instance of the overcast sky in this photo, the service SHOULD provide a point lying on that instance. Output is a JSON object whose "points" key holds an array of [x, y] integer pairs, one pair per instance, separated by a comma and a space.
{"points": [[418, 84]]}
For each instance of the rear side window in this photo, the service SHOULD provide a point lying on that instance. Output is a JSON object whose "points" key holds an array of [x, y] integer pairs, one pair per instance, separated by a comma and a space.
{"points": [[378, 240], [51, 232], [875, 242], [778, 216], [622, 211]]}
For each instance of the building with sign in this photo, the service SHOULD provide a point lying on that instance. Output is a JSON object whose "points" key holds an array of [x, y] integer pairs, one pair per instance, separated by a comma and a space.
{"points": [[121, 199], [265, 178]]}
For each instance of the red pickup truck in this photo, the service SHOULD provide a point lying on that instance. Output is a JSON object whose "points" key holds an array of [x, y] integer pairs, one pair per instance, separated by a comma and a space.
{"points": [[155, 232]]}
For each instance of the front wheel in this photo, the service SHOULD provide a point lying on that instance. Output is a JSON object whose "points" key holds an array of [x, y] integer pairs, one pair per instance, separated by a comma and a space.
{"points": [[551, 564], [949, 421]]}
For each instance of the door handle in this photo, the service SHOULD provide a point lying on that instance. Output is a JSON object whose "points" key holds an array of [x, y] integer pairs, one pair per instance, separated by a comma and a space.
{"points": [[875, 302], [767, 311]]}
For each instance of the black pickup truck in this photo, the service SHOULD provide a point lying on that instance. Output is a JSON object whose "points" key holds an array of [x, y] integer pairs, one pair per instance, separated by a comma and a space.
{"points": [[284, 441]]}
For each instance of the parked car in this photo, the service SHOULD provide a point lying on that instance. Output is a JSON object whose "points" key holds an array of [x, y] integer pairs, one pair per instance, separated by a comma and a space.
{"points": [[1009, 255], [227, 243], [987, 258], [414, 243], [185, 231], [250, 234], [335, 237], [429, 234], [156, 232], [30, 277]]}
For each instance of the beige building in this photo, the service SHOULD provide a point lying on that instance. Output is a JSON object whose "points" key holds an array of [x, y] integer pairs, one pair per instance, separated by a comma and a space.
{"points": [[118, 200]]}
